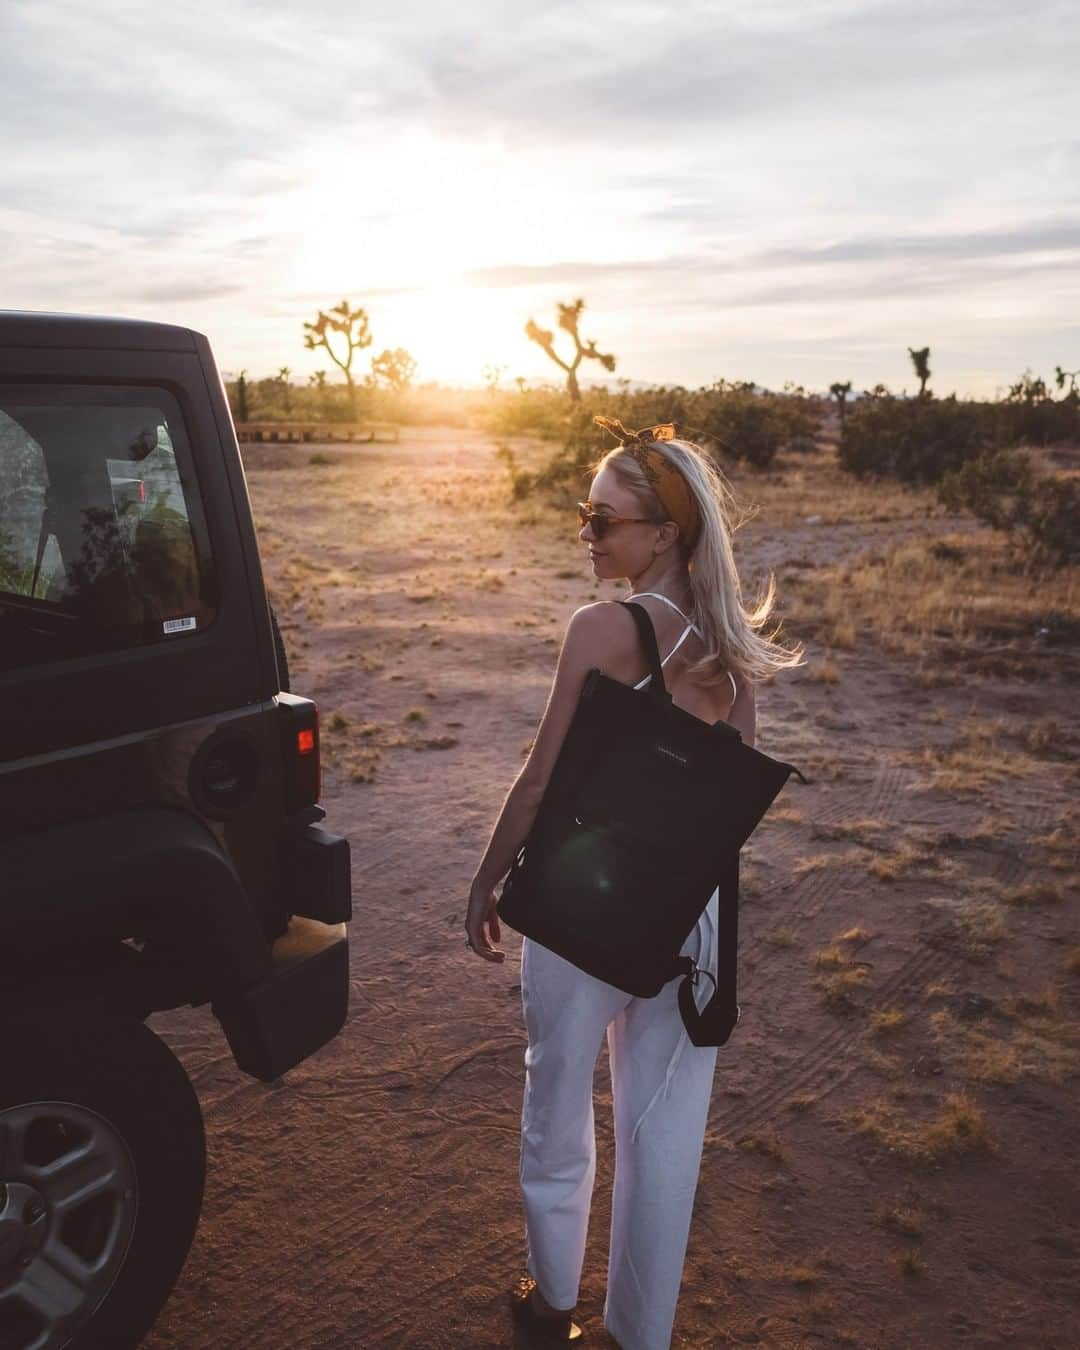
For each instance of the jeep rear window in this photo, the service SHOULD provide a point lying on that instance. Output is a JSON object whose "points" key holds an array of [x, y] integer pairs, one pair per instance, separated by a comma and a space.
{"points": [[103, 542]]}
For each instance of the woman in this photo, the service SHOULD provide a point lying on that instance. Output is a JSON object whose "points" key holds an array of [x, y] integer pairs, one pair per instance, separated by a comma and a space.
{"points": [[658, 515]]}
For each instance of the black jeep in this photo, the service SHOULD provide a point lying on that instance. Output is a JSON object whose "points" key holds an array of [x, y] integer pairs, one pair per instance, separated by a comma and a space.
{"points": [[159, 835]]}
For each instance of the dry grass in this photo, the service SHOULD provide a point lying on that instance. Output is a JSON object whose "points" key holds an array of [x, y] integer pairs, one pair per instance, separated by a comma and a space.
{"points": [[1060, 847], [884, 1020], [891, 1067], [911, 1262], [1025, 1036], [911, 860], [861, 830], [906, 1219], [1033, 893], [803, 1274], [946, 610], [765, 1143], [840, 975], [856, 934], [817, 861], [839, 988], [972, 927], [824, 671], [958, 1129], [978, 757], [781, 937]]}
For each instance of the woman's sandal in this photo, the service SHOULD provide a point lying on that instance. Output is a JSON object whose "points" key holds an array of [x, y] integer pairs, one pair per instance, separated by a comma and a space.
{"points": [[547, 1329]]}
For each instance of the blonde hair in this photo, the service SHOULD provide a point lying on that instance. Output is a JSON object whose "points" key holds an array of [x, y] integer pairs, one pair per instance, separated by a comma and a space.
{"points": [[732, 633]]}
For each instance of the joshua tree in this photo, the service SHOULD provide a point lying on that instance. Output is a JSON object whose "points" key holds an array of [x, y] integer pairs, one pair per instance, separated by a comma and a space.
{"points": [[921, 361], [569, 317], [318, 380], [493, 373], [241, 397], [396, 367], [840, 392], [1060, 376], [286, 393], [353, 324]]}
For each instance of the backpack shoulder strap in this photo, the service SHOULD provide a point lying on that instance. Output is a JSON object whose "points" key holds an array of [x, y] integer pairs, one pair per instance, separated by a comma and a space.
{"points": [[647, 635]]}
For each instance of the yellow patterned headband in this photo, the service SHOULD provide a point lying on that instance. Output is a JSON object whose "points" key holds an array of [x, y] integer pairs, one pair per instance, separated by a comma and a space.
{"points": [[663, 477]]}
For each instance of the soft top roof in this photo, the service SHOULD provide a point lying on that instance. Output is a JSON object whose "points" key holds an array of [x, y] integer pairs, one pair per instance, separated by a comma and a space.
{"points": [[34, 328]]}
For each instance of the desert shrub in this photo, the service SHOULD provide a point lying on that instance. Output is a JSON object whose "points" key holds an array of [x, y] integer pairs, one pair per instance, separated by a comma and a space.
{"points": [[744, 425], [1029, 415], [915, 440], [540, 411], [1001, 488], [734, 420], [427, 404]]}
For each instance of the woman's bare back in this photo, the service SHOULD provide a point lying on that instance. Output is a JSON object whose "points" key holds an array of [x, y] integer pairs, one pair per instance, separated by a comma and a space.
{"points": [[711, 703]]}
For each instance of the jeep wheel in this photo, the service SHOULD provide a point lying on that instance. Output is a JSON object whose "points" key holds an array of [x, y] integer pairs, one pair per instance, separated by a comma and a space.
{"points": [[102, 1163]]}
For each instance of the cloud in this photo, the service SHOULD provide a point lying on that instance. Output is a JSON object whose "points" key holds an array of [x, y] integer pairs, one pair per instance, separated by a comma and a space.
{"points": [[835, 163], [1034, 237], [580, 273], [184, 293]]}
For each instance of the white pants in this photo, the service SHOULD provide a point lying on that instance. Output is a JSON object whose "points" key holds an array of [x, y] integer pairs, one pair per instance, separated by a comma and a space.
{"points": [[661, 1087]]}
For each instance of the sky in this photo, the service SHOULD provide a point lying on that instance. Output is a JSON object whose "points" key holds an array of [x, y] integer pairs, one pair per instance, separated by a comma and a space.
{"points": [[785, 190]]}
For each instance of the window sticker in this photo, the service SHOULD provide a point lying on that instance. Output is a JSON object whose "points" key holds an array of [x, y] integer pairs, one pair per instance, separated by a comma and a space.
{"points": [[178, 625]]}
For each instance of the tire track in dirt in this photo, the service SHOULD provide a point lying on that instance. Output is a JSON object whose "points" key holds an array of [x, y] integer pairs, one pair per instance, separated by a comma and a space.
{"points": [[371, 1242], [1014, 864], [931, 962], [817, 886], [762, 1106]]}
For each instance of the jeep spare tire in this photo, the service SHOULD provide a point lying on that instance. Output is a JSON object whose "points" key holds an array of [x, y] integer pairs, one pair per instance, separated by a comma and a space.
{"points": [[102, 1165]]}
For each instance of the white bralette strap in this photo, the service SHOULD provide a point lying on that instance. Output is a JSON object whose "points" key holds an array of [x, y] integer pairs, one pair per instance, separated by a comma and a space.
{"points": [[686, 633], [657, 596]]}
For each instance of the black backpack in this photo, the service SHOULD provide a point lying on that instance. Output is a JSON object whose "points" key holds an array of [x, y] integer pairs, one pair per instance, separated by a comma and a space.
{"points": [[642, 819]]}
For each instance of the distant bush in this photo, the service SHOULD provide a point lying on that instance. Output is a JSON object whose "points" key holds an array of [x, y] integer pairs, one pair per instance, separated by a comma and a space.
{"points": [[542, 411], [914, 440], [1030, 415], [745, 425], [1001, 488], [428, 404]]}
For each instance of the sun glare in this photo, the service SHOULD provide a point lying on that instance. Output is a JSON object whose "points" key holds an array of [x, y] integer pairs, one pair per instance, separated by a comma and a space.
{"points": [[403, 237], [455, 331]]}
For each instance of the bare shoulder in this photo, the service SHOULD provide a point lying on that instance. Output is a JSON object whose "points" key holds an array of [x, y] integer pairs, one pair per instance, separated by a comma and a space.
{"points": [[602, 630]]}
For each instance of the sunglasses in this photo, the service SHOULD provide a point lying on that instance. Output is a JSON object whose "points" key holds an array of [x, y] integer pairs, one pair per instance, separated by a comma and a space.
{"points": [[600, 522]]}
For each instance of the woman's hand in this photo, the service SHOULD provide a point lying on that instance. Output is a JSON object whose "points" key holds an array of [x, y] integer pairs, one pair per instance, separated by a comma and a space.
{"points": [[482, 924]]}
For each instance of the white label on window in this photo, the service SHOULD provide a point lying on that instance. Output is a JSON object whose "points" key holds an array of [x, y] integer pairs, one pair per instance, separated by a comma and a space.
{"points": [[178, 625]]}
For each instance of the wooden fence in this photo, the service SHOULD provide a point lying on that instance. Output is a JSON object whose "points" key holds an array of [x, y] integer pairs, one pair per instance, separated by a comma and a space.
{"points": [[364, 432]]}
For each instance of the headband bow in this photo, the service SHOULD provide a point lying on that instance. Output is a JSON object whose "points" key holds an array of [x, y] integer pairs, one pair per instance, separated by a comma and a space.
{"points": [[662, 475]]}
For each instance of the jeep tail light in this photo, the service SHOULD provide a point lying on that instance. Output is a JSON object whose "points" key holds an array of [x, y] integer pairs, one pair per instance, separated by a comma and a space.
{"points": [[300, 743]]}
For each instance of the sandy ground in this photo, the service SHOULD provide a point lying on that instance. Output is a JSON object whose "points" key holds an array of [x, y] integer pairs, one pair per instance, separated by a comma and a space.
{"points": [[370, 1199]]}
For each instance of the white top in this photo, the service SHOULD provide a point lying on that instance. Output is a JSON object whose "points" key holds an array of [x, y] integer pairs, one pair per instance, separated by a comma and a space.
{"points": [[685, 634]]}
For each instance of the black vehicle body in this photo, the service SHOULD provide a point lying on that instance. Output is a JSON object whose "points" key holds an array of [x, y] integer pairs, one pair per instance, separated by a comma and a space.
{"points": [[159, 828]]}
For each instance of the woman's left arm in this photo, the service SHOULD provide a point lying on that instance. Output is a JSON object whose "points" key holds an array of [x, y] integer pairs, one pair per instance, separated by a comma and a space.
{"points": [[589, 633]]}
